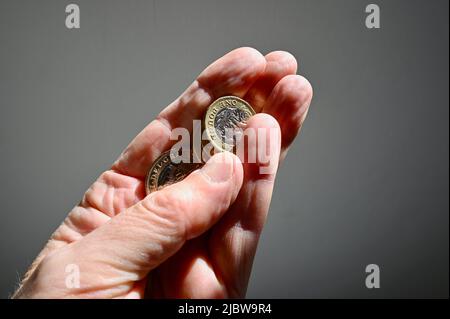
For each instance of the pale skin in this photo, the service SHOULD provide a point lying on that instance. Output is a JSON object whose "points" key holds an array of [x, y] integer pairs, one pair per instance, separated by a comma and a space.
{"points": [[193, 239]]}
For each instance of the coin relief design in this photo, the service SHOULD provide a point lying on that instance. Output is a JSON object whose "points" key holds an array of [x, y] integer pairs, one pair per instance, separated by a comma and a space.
{"points": [[223, 121], [225, 115], [164, 172]]}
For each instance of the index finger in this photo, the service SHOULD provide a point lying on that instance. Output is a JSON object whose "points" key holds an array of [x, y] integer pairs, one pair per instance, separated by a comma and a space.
{"points": [[232, 74]]}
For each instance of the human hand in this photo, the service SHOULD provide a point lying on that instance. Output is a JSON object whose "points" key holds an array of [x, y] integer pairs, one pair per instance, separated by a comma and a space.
{"points": [[193, 239]]}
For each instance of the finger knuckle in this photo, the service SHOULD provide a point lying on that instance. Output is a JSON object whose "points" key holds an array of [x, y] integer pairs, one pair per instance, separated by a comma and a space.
{"points": [[170, 208]]}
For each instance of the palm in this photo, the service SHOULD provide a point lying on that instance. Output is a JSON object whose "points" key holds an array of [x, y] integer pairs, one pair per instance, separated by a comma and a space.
{"points": [[217, 263]]}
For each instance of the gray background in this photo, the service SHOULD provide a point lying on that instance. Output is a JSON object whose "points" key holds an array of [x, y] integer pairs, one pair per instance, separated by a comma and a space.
{"points": [[366, 182]]}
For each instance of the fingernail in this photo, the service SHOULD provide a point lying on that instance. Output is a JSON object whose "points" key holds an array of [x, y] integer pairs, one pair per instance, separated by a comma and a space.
{"points": [[219, 168]]}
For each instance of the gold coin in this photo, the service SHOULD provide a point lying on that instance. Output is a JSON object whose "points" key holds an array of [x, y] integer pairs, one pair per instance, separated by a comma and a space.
{"points": [[164, 172], [226, 115]]}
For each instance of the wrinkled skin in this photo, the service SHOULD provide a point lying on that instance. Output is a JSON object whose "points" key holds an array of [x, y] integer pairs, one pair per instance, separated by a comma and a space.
{"points": [[193, 239]]}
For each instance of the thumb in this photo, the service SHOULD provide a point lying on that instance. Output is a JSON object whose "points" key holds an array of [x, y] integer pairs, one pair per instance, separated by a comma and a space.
{"points": [[137, 240]]}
